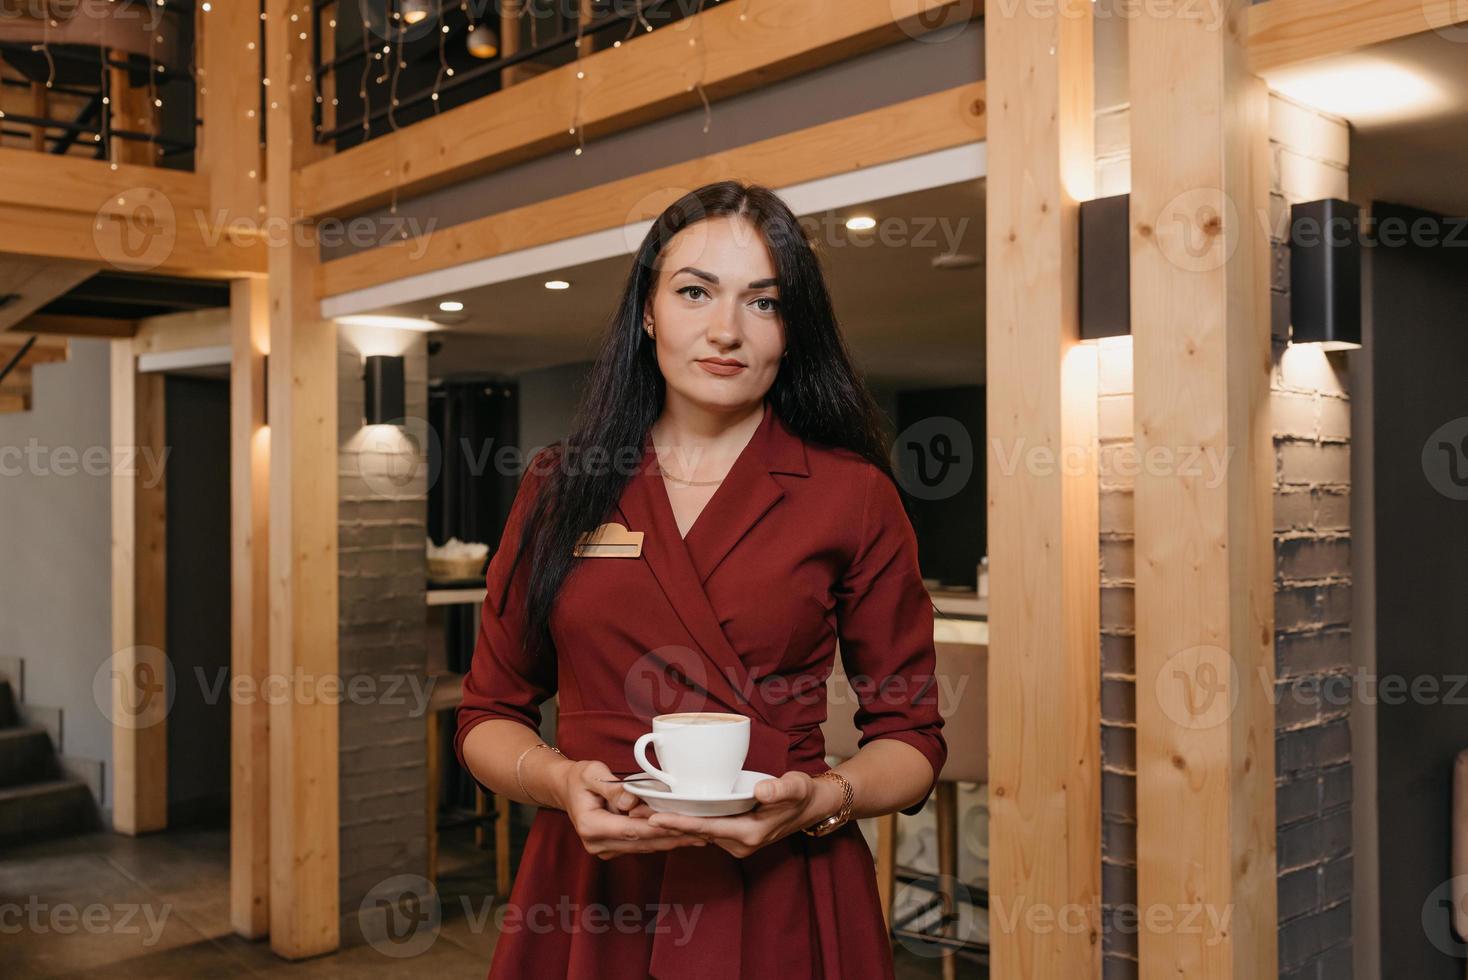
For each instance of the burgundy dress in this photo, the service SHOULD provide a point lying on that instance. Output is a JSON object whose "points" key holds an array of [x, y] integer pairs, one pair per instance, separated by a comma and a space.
{"points": [[800, 544]]}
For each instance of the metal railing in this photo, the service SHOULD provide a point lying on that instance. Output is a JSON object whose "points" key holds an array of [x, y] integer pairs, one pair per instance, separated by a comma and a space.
{"points": [[428, 64], [81, 77]]}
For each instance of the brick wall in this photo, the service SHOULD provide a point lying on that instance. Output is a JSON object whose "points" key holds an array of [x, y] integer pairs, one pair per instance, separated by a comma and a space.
{"points": [[1310, 416], [1310, 419], [382, 522]]}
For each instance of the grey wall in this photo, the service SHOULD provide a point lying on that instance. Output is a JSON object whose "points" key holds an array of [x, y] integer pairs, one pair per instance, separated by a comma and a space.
{"points": [[55, 539], [1418, 358]]}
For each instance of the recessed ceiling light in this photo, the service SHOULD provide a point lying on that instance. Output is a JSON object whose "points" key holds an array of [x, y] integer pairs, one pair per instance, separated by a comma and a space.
{"points": [[861, 223], [450, 306], [557, 284]]}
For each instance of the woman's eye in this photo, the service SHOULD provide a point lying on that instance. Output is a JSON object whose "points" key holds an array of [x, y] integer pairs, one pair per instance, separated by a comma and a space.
{"points": [[774, 304], [690, 290]]}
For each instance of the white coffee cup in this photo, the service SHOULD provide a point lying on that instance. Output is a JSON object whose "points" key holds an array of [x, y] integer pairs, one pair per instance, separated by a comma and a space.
{"points": [[701, 752]]}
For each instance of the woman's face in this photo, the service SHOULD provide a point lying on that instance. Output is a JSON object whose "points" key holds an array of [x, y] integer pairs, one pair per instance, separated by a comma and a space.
{"points": [[715, 314]]}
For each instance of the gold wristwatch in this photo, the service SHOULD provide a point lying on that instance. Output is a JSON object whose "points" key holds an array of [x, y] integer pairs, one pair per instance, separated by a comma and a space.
{"points": [[837, 819]]}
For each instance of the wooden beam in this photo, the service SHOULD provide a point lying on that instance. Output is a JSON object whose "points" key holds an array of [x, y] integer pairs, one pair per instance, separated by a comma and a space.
{"points": [[644, 79], [189, 329], [80, 185], [921, 125], [38, 282], [249, 439], [134, 237], [76, 326], [229, 153], [1286, 32], [1204, 555], [1044, 604], [139, 642], [304, 808]]}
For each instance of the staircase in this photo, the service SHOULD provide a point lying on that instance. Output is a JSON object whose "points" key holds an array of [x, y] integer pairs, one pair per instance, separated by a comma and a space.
{"points": [[15, 386], [36, 799]]}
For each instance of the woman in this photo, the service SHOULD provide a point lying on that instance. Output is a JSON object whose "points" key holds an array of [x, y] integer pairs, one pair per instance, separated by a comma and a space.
{"points": [[723, 421]]}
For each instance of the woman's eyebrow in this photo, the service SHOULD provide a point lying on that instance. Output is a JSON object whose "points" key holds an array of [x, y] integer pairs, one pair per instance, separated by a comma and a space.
{"points": [[710, 277]]}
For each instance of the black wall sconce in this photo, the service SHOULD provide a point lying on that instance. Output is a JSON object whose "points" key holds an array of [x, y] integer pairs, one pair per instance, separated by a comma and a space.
{"points": [[1106, 276], [384, 389], [1325, 274]]}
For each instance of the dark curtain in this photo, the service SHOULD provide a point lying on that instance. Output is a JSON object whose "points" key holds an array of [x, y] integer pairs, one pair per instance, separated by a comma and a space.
{"points": [[477, 421]]}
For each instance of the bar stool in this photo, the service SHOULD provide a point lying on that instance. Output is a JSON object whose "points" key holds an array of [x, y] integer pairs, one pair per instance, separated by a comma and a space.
{"points": [[962, 673], [447, 691]]}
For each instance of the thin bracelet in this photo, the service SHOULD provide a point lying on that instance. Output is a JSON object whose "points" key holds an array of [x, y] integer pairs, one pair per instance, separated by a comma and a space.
{"points": [[521, 779]]}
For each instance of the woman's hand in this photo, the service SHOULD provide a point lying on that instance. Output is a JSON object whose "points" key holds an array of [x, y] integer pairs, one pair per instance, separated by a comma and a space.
{"points": [[609, 819], [785, 805]]}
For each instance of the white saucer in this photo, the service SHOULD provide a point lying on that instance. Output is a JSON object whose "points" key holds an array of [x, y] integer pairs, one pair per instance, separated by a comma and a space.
{"points": [[664, 800]]}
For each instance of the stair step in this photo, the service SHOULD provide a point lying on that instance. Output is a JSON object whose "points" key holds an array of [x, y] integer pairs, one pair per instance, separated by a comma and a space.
{"points": [[26, 756], [52, 808]]}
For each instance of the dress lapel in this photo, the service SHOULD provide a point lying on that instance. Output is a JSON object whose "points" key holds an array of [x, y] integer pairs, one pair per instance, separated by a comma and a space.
{"points": [[682, 566]]}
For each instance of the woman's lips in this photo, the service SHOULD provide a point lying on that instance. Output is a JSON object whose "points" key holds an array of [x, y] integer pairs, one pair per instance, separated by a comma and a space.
{"points": [[719, 368]]}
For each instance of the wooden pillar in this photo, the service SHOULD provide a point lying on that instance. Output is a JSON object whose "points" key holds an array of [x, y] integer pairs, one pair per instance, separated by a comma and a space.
{"points": [[229, 105], [139, 665], [1204, 589], [510, 13], [249, 747], [1044, 674], [304, 824]]}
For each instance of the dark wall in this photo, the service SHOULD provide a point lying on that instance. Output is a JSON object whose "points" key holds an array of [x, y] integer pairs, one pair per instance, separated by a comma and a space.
{"points": [[197, 414], [941, 457], [1419, 364]]}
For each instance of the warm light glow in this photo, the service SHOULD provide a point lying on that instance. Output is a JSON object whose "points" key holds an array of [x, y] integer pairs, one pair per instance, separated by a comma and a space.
{"points": [[482, 42], [1361, 90], [1327, 345], [450, 306], [389, 322], [557, 284], [861, 223]]}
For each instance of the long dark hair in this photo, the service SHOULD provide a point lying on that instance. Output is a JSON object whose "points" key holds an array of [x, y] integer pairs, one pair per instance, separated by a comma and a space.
{"points": [[817, 393]]}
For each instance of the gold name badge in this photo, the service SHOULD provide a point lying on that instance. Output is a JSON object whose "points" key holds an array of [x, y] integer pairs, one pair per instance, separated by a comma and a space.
{"points": [[609, 541]]}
